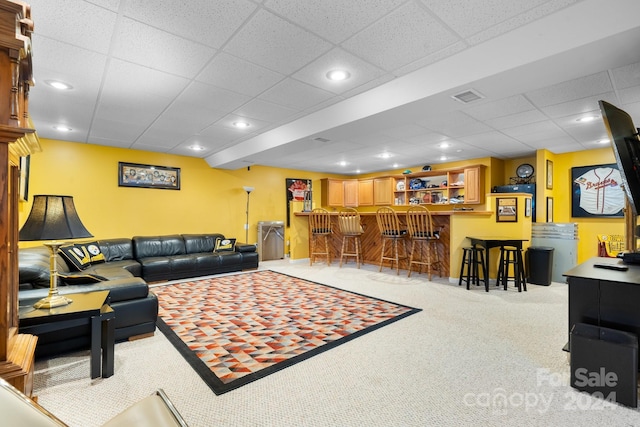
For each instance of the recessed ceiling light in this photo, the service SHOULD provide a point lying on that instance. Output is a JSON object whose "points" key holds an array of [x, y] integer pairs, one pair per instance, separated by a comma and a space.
{"points": [[197, 148], [241, 125], [62, 128], [395, 165], [586, 119], [343, 163], [384, 155], [444, 145], [58, 85], [443, 157], [338, 75], [603, 141]]}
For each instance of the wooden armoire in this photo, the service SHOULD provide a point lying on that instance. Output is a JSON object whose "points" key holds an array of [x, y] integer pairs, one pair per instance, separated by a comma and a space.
{"points": [[17, 139]]}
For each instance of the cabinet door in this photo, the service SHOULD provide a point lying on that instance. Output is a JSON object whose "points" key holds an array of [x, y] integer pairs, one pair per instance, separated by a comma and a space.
{"points": [[332, 192], [350, 188], [383, 191], [473, 185], [365, 192]]}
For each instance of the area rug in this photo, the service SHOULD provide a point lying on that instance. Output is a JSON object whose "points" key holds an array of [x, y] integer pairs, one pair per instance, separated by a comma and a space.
{"points": [[236, 329]]}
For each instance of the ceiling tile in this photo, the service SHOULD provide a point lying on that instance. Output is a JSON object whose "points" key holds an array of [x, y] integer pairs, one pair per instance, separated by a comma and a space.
{"points": [[405, 35], [515, 120], [74, 22], [294, 94], [571, 90], [335, 20], [203, 21], [315, 73], [235, 74], [469, 18], [265, 111], [156, 49], [627, 76], [124, 78], [503, 107], [212, 98], [262, 39]]}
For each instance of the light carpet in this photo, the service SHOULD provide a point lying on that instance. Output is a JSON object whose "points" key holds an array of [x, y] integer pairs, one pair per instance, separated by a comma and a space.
{"points": [[449, 365]]}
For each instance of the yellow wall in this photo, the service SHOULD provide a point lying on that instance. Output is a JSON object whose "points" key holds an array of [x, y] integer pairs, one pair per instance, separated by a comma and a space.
{"points": [[588, 228], [210, 200]]}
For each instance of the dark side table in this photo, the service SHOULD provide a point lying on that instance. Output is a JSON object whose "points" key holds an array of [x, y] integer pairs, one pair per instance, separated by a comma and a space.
{"points": [[89, 308]]}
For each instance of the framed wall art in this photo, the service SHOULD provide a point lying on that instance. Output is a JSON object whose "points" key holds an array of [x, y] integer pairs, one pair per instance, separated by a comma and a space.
{"points": [[506, 209], [549, 209], [148, 176], [549, 175], [527, 207], [596, 191]]}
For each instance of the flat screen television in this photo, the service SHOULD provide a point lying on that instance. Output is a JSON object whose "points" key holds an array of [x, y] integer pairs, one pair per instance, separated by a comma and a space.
{"points": [[626, 147]]}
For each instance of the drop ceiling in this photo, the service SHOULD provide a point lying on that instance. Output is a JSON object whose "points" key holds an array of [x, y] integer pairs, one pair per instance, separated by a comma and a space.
{"points": [[168, 75]]}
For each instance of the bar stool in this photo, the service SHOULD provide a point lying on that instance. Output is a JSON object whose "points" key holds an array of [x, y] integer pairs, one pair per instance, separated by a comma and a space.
{"points": [[511, 256], [423, 236], [351, 230], [391, 231], [472, 257], [320, 230]]}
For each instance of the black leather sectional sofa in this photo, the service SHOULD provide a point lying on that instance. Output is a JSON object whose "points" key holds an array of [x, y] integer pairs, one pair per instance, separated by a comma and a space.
{"points": [[128, 266]]}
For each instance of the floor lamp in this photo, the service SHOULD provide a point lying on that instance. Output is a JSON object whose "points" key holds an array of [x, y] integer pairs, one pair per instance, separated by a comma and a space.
{"points": [[246, 224], [53, 218]]}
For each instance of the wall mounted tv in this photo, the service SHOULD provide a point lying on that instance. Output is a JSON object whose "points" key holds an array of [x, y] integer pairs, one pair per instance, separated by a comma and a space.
{"points": [[626, 147]]}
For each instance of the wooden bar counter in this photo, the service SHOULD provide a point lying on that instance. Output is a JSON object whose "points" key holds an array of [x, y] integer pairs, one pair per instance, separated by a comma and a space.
{"points": [[372, 242]]}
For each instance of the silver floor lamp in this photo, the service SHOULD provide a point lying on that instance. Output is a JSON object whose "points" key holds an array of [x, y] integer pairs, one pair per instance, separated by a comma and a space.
{"points": [[246, 224]]}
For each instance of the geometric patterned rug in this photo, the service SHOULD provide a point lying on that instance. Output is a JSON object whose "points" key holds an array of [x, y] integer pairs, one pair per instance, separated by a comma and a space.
{"points": [[239, 328]]}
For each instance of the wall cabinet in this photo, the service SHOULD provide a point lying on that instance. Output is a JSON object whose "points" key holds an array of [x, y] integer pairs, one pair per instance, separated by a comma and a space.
{"points": [[383, 191], [332, 192], [350, 189], [365, 192], [443, 187]]}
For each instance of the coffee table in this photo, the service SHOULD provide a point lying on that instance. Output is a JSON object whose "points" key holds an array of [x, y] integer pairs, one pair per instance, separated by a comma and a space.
{"points": [[90, 308]]}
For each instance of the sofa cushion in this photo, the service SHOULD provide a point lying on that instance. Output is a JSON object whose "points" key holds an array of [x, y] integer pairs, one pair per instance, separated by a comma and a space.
{"points": [[81, 278], [75, 257], [116, 249], [198, 243], [93, 250], [157, 246], [223, 245]]}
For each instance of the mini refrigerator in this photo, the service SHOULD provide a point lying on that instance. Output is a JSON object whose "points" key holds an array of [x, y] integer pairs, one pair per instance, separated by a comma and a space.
{"points": [[520, 188]]}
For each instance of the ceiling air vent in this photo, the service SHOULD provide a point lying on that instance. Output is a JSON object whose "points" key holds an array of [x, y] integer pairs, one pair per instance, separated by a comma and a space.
{"points": [[467, 96], [318, 139]]}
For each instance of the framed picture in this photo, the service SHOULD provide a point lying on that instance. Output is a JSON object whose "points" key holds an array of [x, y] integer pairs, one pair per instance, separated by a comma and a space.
{"points": [[148, 176], [527, 207], [25, 164], [506, 209], [549, 209], [549, 175], [596, 191]]}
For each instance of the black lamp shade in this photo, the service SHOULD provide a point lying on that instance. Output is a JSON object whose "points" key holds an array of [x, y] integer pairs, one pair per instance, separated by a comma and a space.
{"points": [[53, 218]]}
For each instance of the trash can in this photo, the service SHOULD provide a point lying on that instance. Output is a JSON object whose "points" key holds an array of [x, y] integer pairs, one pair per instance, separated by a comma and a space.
{"points": [[539, 261], [604, 363], [270, 240]]}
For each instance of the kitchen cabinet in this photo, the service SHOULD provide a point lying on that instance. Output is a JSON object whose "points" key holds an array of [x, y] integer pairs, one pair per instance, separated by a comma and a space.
{"points": [[383, 191], [350, 193], [365, 192], [332, 192], [440, 187]]}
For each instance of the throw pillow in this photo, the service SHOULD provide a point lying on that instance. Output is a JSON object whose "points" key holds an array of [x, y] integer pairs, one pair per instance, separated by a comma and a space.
{"points": [[75, 257], [224, 245], [81, 279], [93, 251]]}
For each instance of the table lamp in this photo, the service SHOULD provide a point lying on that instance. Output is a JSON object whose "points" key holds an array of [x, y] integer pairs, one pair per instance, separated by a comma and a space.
{"points": [[53, 218]]}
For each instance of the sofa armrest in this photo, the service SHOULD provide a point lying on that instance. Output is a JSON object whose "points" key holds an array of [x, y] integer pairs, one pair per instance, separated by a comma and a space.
{"points": [[245, 247]]}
